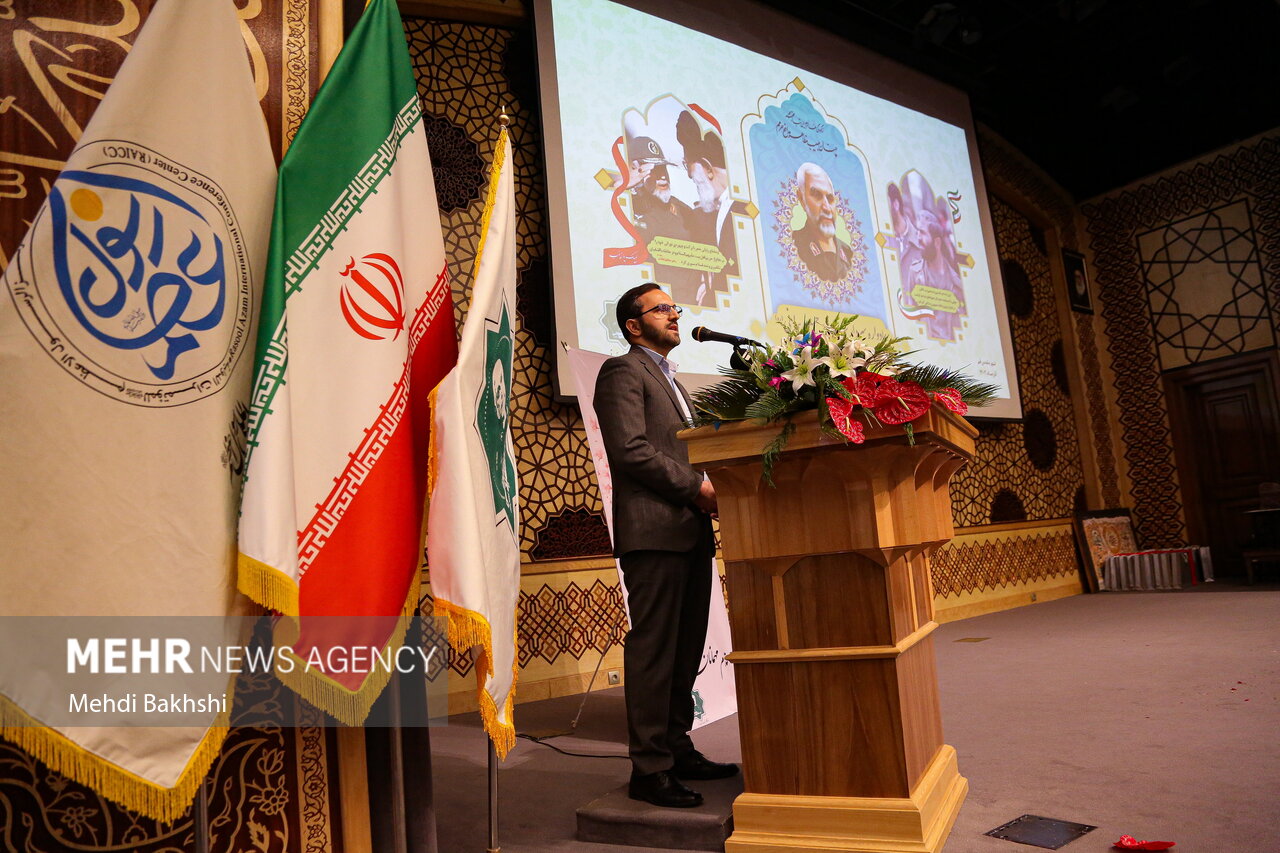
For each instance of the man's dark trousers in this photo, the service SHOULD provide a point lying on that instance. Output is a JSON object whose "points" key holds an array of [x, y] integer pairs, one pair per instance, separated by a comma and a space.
{"points": [[669, 595]]}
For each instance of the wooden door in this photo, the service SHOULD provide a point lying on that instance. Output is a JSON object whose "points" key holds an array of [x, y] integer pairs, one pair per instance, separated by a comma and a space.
{"points": [[1226, 428]]}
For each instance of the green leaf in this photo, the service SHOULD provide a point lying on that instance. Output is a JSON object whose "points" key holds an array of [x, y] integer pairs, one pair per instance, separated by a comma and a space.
{"points": [[728, 400], [773, 449], [933, 378]]}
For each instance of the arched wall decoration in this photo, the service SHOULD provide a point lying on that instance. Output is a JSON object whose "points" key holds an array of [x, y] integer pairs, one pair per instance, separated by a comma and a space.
{"points": [[1116, 224]]}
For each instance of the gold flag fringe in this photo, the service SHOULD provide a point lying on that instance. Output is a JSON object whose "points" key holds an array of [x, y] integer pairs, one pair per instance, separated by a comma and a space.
{"points": [[491, 197], [63, 755], [350, 707], [467, 629], [268, 586]]}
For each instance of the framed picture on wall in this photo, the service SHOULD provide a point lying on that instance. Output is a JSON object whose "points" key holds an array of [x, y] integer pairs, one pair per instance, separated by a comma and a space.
{"points": [[1077, 282], [1100, 533]]}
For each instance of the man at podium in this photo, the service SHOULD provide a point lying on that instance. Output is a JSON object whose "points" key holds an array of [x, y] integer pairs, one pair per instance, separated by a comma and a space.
{"points": [[662, 536]]}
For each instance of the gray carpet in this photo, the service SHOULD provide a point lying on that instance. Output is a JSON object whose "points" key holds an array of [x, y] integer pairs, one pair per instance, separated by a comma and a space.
{"points": [[1155, 715]]}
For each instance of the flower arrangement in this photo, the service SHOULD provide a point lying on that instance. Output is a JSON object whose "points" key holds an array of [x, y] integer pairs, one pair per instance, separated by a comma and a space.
{"points": [[824, 366]]}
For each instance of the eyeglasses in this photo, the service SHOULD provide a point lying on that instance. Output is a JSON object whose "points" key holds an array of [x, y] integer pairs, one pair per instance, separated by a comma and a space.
{"points": [[664, 310]]}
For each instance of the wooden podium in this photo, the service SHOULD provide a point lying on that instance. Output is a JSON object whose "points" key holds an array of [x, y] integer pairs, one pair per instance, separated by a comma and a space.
{"points": [[831, 608]]}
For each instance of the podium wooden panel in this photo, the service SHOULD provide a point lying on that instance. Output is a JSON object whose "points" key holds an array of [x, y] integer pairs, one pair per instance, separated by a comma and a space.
{"points": [[831, 609]]}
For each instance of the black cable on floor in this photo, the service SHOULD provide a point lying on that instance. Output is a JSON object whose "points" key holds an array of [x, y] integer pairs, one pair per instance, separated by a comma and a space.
{"points": [[543, 742]]}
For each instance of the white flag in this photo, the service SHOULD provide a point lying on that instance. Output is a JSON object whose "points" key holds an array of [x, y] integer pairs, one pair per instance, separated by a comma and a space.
{"points": [[126, 345], [473, 538]]}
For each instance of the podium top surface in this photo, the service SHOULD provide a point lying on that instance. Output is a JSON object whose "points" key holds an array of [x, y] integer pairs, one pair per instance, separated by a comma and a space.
{"points": [[740, 441]]}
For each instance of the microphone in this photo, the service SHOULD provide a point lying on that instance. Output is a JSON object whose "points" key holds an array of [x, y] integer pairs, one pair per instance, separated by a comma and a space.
{"points": [[703, 335]]}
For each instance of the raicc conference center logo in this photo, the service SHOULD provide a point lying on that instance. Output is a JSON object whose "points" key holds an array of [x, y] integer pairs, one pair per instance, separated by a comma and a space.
{"points": [[148, 299]]}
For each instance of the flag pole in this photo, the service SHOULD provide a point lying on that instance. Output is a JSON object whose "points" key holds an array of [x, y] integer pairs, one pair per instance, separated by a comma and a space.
{"points": [[201, 819], [493, 801], [494, 847]]}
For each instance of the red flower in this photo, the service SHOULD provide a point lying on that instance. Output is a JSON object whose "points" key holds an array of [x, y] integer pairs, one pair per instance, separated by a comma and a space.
{"points": [[1128, 842], [900, 402], [863, 387], [842, 415], [950, 398]]}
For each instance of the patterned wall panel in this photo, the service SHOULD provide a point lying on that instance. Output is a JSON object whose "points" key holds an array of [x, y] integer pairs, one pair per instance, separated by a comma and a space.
{"points": [[1006, 167], [466, 75], [1205, 287], [561, 618], [1117, 224], [981, 564], [1029, 470]]}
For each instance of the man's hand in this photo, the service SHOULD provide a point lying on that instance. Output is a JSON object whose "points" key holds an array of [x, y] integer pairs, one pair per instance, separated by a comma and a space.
{"points": [[705, 500]]}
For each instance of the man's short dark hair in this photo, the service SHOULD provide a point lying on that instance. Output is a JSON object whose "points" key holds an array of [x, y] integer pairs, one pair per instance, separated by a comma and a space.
{"points": [[629, 305]]}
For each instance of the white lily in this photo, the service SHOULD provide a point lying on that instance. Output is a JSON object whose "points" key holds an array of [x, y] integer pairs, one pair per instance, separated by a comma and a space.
{"points": [[843, 362], [860, 350], [802, 374]]}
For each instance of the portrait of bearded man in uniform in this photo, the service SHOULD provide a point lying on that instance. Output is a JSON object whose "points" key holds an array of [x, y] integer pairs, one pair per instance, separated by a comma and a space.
{"points": [[819, 249]]}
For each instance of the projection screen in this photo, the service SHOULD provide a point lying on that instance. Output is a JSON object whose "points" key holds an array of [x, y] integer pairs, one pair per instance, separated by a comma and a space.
{"points": [[760, 169]]}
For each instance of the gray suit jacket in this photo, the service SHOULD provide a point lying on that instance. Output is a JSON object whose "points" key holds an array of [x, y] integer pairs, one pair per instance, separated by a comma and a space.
{"points": [[653, 482]]}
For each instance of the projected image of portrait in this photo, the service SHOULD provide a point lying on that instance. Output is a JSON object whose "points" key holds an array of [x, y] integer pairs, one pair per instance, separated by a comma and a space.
{"points": [[709, 222], [929, 262], [677, 182], [819, 247], [814, 185]]}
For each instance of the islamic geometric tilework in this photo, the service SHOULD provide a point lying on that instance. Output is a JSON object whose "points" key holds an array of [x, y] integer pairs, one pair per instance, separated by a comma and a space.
{"points": [[560, 618], [1029, 470], [1205, 287], [981, 565], [466, 75], [570, 621], [570, 533], [1250, 172], [1005, 166]]}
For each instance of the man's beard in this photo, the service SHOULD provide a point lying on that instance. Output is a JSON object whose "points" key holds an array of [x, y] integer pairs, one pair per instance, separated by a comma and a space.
{"points": [[708, 198], [827, 227], [658, 337], [662, 194]]}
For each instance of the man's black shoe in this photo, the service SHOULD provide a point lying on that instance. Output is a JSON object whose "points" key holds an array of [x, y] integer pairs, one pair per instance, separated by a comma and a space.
{"points": [[695, 765], [663, 789]]}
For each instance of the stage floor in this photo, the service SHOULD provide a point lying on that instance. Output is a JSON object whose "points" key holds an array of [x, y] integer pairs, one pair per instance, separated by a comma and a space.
{"points": [[1146, 714]]}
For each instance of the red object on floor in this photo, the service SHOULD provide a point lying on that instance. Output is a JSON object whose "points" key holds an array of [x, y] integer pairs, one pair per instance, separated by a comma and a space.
{"points": [[1127, 842]]}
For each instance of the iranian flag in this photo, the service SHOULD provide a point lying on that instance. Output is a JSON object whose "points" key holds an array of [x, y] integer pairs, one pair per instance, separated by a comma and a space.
{"points": [[356, 331], [473, 539]]}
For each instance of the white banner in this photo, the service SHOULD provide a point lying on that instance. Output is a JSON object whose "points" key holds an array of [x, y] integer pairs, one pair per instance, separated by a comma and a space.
{"points": [[714, 697]]}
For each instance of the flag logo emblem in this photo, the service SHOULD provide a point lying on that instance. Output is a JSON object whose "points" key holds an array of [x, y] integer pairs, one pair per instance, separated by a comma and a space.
{"points": [[149, 297], [372, 297], [492, 416]]}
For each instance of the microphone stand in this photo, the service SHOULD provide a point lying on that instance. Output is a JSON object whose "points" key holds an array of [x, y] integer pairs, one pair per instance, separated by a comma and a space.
{"points": [[738, 361]]}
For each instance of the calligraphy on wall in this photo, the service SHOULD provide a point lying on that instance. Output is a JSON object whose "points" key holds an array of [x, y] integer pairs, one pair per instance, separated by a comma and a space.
{"points": [[60, 56]]}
